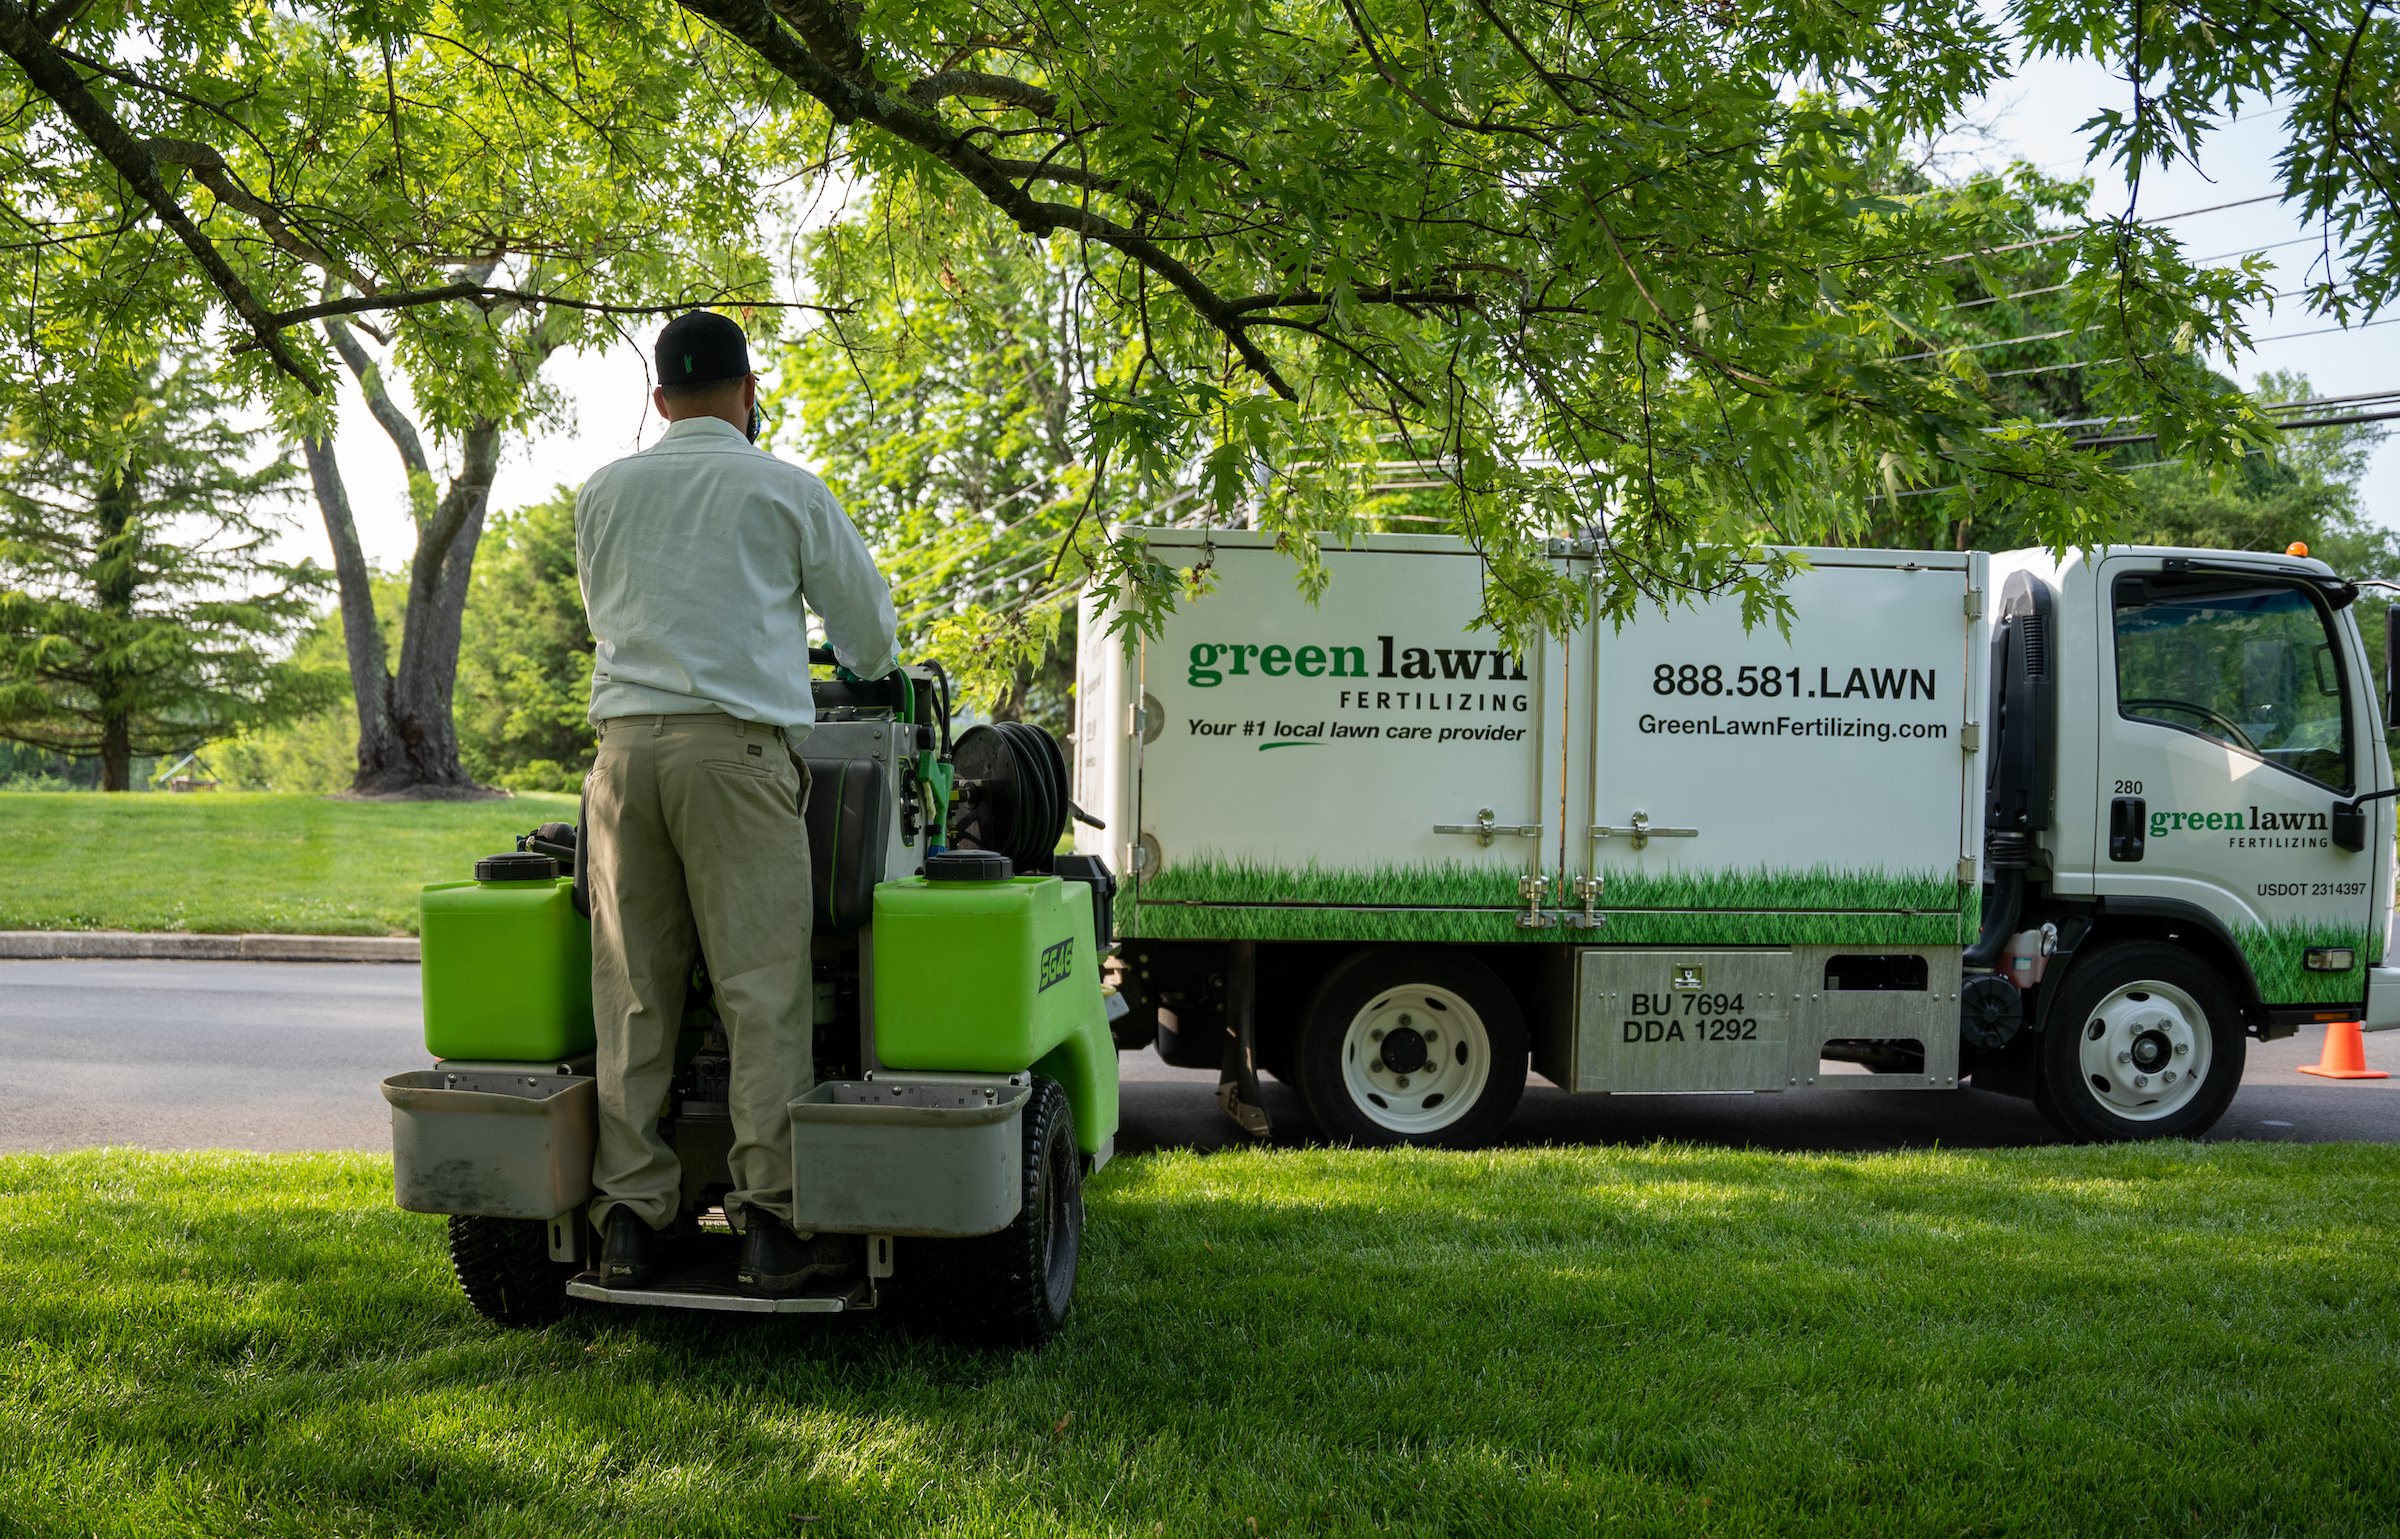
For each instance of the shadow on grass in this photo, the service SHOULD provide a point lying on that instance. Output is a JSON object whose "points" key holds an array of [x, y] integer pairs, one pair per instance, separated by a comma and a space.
{"points": [[1657, 1339]]}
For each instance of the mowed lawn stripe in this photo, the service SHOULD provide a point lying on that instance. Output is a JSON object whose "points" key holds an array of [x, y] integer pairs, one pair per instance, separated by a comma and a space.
{"points": [[235, 862], [2165, 1339]]}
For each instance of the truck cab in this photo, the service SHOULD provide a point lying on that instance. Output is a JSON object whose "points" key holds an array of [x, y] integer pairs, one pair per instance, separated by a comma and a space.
{"points": [[2215, 755]]}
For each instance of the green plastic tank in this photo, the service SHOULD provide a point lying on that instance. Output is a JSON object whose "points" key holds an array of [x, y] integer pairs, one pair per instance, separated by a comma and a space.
{"points": [[507, 963], [995, 977]]}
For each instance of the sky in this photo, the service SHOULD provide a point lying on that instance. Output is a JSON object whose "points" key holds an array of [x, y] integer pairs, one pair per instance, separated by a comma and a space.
{"points": [[2035, 116]]}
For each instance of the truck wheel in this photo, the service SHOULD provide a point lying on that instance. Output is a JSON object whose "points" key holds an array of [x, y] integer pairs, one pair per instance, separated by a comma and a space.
{"points": [[1412, 1047], [2145, 1041], [504, 1268], [1012, 1289]]}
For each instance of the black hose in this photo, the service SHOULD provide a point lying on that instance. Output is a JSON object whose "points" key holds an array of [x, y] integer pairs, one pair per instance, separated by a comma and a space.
{"points": [[941, 676], [2006, 856]]}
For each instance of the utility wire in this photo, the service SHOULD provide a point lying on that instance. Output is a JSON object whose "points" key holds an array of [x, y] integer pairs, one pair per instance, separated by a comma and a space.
{"points": [[2053, 240]]}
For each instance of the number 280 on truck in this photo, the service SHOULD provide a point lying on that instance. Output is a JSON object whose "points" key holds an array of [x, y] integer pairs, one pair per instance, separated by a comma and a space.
{"points": [[2073, 829]]}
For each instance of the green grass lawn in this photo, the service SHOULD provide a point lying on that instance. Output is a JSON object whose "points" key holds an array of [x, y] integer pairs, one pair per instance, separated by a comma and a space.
{"points": [[2175, 1339], [228, 862]]}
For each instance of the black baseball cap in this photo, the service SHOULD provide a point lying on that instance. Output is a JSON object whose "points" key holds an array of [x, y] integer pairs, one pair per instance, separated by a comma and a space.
{"points": [[700, 347]]}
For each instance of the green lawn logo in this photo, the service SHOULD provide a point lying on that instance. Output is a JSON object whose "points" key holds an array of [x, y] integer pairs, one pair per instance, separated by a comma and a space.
{"points": [[2253, 820], [1212, 662]]}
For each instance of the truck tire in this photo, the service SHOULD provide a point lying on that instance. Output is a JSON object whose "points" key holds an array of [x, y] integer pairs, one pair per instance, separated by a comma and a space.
{"points": [[1412, 1046], [1012, 1289], [505, 1270], [2144, 1041]]}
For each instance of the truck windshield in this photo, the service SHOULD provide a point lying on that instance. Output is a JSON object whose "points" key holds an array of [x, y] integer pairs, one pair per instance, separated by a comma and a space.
{"points": [[2246, 663]]}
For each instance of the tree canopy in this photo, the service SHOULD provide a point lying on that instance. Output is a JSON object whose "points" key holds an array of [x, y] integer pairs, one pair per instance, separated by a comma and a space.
{"points": [[1625, 270]]}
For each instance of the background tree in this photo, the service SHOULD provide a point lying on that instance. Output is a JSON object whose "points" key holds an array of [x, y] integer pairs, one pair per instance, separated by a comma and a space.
{"points": [[441, 198], [139, 613], [525, 666], [948, 411]]}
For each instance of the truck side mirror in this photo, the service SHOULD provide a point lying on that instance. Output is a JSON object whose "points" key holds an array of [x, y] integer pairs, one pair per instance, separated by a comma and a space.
{"points": [[2350, 819]]}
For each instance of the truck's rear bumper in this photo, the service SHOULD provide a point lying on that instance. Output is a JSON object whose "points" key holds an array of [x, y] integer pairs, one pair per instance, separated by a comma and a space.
{"points": [[2383, 999]]}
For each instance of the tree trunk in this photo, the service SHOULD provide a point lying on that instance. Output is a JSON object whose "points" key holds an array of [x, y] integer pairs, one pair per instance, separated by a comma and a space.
{"points": [[362, 636], [116, 753], [114, 577], [437, 604], [407, 737]]}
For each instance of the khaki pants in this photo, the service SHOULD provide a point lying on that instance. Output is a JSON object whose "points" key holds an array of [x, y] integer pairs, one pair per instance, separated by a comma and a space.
{"points": [[697, 845]]}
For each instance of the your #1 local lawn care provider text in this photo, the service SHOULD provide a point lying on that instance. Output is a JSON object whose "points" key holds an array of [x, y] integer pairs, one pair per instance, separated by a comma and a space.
{"points": [[696, 557]]}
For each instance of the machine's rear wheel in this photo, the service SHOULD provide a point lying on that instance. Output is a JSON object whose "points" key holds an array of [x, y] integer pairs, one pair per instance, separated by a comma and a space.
{"points": [[1012, 1289], [1412, 1046], [504, 1268], [2144, 1041]]}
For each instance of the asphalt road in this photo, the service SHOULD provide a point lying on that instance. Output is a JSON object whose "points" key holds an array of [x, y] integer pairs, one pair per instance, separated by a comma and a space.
{"points": [[265, 1055]]}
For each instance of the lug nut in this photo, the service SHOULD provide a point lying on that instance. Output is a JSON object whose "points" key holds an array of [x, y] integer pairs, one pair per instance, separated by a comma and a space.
{"points": [[1376, 1035], [1432, 1037], [1406, 1019], [2182, 1048], [2124, 1057], [2141, 1082], [1376, 1066], [2167, 1078], [1401, 1082]]}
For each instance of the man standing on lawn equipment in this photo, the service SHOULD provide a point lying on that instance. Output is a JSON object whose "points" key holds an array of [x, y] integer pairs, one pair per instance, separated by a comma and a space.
{"points": [[695, 557]]}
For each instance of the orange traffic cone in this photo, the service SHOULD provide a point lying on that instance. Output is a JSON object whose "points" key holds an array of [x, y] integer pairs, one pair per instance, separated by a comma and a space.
{"points": [[2345, 1055]]}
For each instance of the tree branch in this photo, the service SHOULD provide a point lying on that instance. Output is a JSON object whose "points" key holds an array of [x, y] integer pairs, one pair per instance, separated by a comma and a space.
{"points": [[405, 299], [942, 84], [387, 413], [209, 166], [753, 24], [53, 76]]}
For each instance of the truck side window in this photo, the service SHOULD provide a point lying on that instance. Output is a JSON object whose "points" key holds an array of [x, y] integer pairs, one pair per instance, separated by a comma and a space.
{"points": [[2242, 661]]}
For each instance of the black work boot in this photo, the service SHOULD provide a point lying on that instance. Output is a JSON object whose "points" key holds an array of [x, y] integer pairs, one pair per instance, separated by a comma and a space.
{"points": [[629, 1251], [777, 1263]]}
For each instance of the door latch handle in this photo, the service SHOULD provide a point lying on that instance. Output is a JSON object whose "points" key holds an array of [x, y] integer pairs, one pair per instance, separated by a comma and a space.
{"points": [[1641, 831], [1485, 830], [2128, 823]]}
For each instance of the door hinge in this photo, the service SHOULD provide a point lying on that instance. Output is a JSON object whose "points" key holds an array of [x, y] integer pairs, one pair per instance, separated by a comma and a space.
{"points": [[1137, 721], [1534, 887], [1970, 737], [1966, 870], [1974, 603]]}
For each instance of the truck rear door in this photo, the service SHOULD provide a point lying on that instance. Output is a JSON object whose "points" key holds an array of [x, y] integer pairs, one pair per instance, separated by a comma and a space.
{"points": [[1744, 781], [2234, 714], [1367, 767]]}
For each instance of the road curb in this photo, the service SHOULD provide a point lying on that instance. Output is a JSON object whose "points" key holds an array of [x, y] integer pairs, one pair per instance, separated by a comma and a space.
{"points": [[134, 945]]}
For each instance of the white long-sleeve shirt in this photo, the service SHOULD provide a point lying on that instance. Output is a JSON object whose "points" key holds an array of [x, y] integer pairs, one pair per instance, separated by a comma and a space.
{"points": [[697, 557]]}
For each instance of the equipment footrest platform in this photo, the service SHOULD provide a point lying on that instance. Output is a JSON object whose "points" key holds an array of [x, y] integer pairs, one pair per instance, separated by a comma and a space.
{"points": [[698, 1274]]}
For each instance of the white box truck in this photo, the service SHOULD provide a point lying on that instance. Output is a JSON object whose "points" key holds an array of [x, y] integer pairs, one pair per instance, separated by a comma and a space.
{"points": [[2073, 828]]}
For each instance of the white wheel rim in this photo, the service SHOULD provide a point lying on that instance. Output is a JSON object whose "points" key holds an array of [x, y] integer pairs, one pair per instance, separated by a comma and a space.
{"points": [[1439, 1058], [2145, 1051]]}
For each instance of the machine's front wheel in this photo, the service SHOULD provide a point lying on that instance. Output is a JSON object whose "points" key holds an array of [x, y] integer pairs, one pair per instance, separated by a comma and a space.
{"points": [[2145, 1041], [1412, 1046], [1012, 1289], [505, 1270]]}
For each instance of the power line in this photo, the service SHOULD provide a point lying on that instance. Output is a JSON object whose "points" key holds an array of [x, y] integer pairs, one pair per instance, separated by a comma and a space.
{"points": [[2280, 336], [2052, 240], [2286, 425], [2311, 403]]}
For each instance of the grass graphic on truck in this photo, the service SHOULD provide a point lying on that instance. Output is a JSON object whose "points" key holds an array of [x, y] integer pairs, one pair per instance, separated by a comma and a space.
{"points": [[2278, 957], [1209, 897]]}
